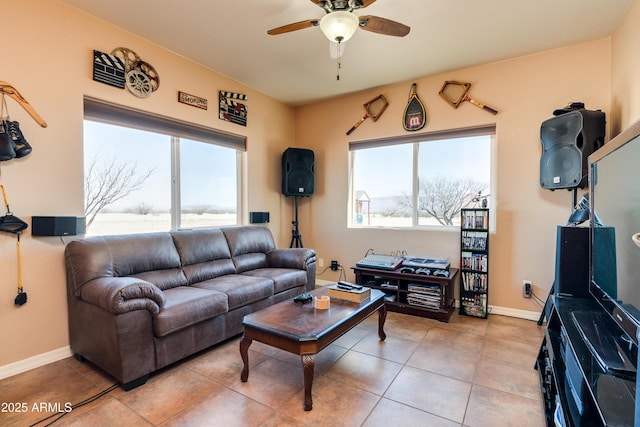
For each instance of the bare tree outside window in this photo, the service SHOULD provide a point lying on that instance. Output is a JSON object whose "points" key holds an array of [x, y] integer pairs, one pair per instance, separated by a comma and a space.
{"points": [[442, 198], [107, 181], [420, 181]]}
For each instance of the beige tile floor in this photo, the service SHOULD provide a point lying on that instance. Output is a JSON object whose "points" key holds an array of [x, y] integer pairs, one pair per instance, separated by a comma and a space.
{"points": [[468, 372]]}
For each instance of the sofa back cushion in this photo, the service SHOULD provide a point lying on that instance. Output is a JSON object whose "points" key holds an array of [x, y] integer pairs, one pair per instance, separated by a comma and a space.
{"points": [[204, 254], [249, 246], [148, 256]]}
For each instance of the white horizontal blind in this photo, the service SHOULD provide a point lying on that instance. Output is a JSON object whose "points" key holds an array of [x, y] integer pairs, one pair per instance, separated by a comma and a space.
{"points": [[424, 137], [107, 112]]}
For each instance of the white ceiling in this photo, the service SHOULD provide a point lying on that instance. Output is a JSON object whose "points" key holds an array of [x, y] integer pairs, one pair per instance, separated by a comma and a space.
{"points": [[230, 37]]}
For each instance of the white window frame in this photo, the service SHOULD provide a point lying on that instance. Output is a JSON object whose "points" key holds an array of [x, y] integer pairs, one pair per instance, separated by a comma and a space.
{"points": [[108, 113], [416, 139]]}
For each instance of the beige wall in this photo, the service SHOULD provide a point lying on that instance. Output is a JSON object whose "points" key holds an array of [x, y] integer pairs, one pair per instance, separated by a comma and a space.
{"points": [[525, 91], [48, 55], [625, 72]]}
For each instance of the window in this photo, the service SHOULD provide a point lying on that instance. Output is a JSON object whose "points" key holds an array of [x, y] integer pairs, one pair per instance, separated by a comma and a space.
{"points": [[420, 180], [147, 173]]}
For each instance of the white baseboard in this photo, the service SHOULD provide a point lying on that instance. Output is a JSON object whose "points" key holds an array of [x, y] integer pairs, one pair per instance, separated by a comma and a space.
{"points": [[512, 312], [34, 362]]}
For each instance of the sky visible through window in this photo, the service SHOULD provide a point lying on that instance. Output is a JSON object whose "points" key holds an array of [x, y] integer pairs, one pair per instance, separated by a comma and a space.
{"points": [[388, 170], [150, 151]]}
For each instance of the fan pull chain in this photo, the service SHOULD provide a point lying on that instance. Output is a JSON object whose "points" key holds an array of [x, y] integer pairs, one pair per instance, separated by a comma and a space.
{"points": [[338, 63]]}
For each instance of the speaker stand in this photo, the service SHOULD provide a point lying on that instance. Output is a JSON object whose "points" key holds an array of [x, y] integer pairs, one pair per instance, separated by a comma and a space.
{"points": [[296, 237]]}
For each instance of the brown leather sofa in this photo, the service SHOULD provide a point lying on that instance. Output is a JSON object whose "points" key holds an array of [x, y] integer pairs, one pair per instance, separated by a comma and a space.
{"points": [[140, 302]]}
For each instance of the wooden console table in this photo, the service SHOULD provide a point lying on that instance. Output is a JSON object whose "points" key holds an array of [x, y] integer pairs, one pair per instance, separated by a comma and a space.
{"points": [[407, 293]]}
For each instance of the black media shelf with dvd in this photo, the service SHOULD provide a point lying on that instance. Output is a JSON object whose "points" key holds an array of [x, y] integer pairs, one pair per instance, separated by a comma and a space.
{"points": [[415, 294], [474, 262]]}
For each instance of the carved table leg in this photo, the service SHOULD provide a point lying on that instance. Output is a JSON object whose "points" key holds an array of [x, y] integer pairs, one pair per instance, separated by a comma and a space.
{"points": [[382, 316], [244, 353], [308, 364]]}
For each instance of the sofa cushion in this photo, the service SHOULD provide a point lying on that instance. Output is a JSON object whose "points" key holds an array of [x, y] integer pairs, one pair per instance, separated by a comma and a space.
{"points": [[204, 254], [149, 256], [240, 289], [186, 306], [249, 246], [283, 278]]}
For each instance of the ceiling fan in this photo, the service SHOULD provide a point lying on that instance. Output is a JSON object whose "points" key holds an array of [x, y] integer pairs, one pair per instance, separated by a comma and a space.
{"points": [[340, 23]]}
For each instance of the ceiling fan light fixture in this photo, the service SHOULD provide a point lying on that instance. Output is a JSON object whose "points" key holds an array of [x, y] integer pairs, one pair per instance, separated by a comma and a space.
{"points": [[339, 26]]}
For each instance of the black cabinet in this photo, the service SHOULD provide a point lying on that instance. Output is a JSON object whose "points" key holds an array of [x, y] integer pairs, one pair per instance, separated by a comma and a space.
{"points": [[415, 294], [577, 390]]}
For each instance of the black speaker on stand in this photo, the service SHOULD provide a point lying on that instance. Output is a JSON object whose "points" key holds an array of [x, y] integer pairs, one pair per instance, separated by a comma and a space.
{"points": [[297, 172], [297, 180], [567, 141]]}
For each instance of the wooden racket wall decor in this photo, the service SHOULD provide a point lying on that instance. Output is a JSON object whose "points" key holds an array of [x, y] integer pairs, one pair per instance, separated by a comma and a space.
{"points": [[415, 115], [456, 92], [374, 109]]}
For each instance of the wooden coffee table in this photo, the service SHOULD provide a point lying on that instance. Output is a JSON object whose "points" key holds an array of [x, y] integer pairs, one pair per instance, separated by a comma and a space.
{"points": [[305, 330]]}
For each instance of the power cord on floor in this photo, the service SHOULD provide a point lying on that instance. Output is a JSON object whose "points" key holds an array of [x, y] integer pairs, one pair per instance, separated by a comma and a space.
{"points": [[537, 299], [59, 415], [323, 271], [342, 272]]}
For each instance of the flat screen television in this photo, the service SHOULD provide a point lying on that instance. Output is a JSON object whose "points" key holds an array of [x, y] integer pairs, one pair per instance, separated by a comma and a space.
{"points": [[614, 192]]}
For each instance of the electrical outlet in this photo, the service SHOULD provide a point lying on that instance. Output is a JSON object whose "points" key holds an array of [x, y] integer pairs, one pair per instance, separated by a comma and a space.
{"points": [[320, 262], [334, 265], [526, 288]]}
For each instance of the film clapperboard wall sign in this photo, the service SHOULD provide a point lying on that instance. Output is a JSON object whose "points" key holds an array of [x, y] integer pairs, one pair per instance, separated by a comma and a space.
{"points": [[233, 108], [108, 69], [124, 68]]}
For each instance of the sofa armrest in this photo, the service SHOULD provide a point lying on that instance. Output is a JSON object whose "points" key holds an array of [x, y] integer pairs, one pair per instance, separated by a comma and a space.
{"points": [[299, 258], [120, 295]]}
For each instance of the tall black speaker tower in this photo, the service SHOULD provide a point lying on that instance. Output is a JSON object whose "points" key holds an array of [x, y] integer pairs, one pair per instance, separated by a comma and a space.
{"points": [[572, 262], [567, 141], [297, 172]]}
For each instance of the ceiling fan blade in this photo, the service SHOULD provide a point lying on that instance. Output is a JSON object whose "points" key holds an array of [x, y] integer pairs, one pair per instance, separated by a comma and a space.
{"points": [[385, 26], [294, 27]]}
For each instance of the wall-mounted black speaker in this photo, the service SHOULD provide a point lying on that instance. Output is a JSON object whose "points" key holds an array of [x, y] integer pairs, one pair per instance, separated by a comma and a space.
{"points": [[567, 141], [58, 225], [297, 172], [572, 262], [258, 217]]}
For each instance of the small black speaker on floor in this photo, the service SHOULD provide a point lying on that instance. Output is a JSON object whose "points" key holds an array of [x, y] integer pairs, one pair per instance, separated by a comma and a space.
{"points": [[297, 172], [567, 141], [58, 225], [572, 262]]}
